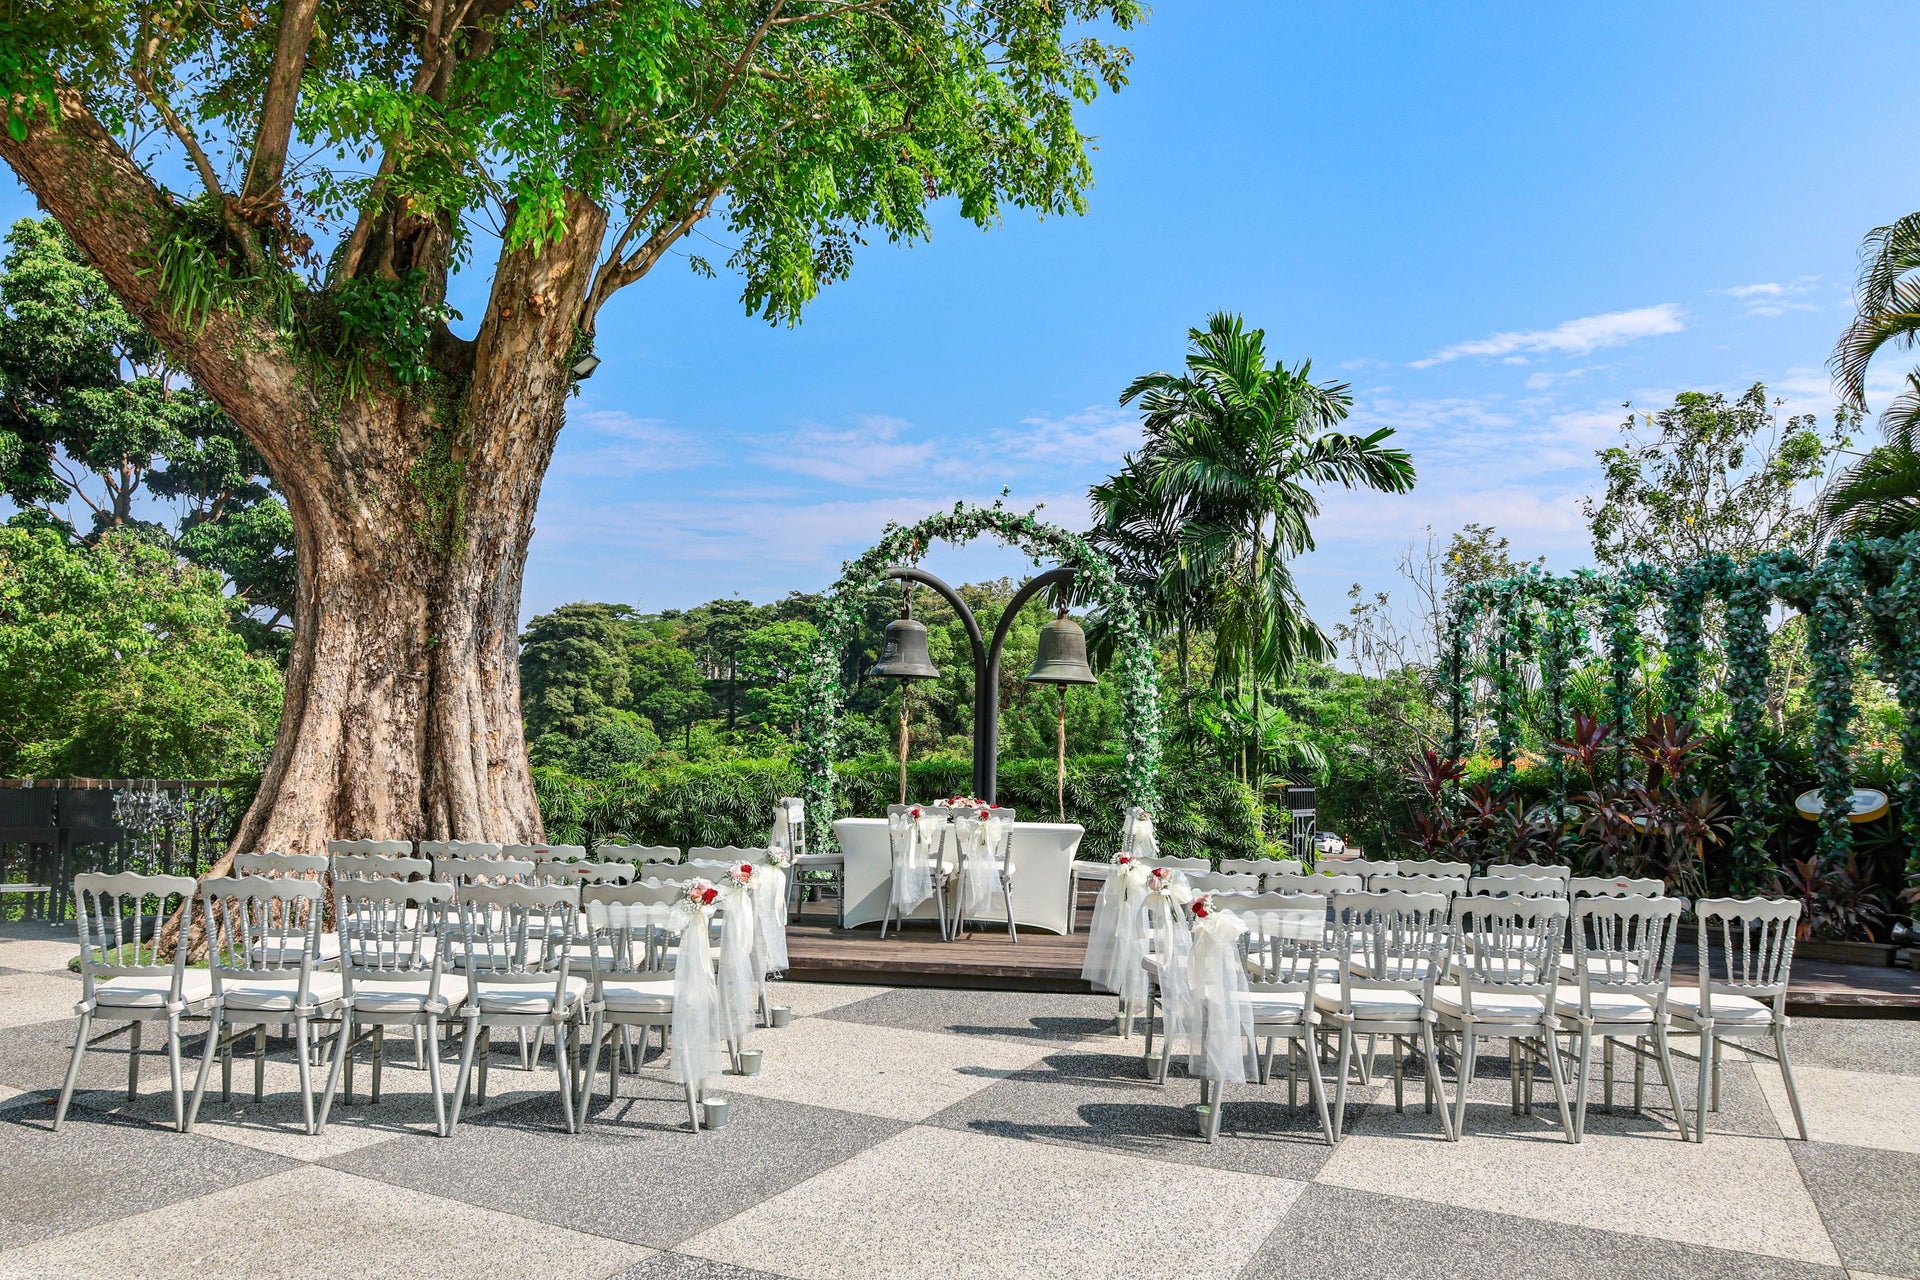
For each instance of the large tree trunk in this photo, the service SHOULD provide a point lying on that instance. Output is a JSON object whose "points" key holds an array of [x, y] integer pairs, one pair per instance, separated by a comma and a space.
{"points": [[411, 516]]}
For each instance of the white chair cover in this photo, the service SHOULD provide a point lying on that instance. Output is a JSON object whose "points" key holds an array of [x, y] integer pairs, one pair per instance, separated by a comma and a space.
{"points": [[1216, 1022], [699, 1031], [981, 840], [770, 912], [913, 872], [739, 978], [1117, 938]]}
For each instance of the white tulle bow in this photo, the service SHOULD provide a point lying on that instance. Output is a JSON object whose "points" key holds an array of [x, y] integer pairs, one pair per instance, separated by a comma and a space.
{"points": [[1209, 1008], [770, 913], [739, 977], [699, 1030], [1117, 937]]}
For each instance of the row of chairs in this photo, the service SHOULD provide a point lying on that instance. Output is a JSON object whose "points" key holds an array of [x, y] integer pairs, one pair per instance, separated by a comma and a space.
{"points": [[1444, 974], [479, 849], [422, 955]]}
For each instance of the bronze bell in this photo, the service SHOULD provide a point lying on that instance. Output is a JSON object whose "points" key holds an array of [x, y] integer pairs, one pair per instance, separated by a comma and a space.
{"points": [[1062, 655], [903, 652]]}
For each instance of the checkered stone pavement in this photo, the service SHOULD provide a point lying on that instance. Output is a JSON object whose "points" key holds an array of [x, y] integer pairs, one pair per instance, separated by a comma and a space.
{"points": [[919, 1133]]}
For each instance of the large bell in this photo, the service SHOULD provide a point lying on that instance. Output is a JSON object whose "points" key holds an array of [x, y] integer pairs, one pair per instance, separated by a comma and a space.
{"points": [[1062, 656], [903, 652]]}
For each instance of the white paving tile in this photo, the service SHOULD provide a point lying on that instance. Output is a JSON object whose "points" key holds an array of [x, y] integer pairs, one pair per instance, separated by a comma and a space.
{"points": [[879, 1071], [1729, 1192], [40, 955], [933, 1204], [808, 998], [27, 998], [320, 1223], [1854, 1108]]}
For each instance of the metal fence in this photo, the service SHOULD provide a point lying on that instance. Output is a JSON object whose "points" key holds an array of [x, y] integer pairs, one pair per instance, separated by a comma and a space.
{"points": [[53, 828]]}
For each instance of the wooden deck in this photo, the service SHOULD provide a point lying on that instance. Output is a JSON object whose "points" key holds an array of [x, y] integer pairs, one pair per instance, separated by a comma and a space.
{"points": [[985, 959]]}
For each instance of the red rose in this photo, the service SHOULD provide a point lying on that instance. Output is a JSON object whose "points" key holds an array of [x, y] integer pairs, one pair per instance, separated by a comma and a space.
{"points": [[983, 815], [915, 812], [707, 896], [746, 868]]}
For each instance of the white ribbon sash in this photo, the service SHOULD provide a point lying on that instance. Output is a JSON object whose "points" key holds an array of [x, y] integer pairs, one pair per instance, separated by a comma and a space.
{"points": [[979, 877], [739, 978], [770, 912], [1117, 938], [1219, 1016], [699, 1034]]}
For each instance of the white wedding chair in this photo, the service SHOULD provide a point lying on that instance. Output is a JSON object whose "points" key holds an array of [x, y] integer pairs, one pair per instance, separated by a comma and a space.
{"points": [[1283, 944], [544, 852], [677, 873], [1517, 886], [1262, 867], [1452, 886], [999, 861], [122, 977], [1531, 870], [637, 853], [1314, 882], [1615, 887], [392, 848], [393, 974], [1435, 867], [481, 871], [298, 866], [1222, 882], [1363, 867], [1621, 971], [629, 937], [904, 843], [514, 943], [1393, 948], [263, 952], [1189, 865], [1506, 974], [380, 866], [1744, 996], [438, 849]]}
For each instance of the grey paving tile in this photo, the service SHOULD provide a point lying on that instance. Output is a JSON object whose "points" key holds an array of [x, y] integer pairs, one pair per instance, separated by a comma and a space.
{"points": [[636, 1172], [1890, 1045], [1021, 1015], [1870, 1201], [1335, 1233], [933, 1204], [320, 1224], [103, 1168], [1097, 1099], [683, 1266]]}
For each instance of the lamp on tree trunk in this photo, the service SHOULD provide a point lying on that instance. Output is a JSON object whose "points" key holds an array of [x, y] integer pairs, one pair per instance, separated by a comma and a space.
{"points": [[903, 657], [1061, 659]]}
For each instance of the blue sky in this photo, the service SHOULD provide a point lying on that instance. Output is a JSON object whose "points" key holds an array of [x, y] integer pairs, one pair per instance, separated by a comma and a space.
{"points": [[1499, 222]]}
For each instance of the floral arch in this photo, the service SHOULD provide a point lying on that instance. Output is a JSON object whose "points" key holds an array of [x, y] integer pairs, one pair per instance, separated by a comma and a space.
{"points": [[1095, 581]]}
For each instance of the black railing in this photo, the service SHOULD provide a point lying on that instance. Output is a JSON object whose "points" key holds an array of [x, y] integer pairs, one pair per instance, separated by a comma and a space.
{"points": [[54, 828]]}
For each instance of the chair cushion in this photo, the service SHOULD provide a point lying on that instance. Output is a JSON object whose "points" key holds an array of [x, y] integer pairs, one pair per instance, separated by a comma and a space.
{"points": [[1727, 1009], [638, 994], [1374, 1004], [1279, 1006], [1499, 1006], [277, 995], [1608, 1006], [534, 998], [150, 991], [409, 996]]}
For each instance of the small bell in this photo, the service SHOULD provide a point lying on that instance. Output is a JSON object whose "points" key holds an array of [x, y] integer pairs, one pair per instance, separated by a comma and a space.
{"points": [[1062, 655], [903, 650]]}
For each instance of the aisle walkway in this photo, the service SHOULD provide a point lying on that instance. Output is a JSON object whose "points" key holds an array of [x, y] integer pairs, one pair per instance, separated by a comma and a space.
{"points": [[931, 1133]]}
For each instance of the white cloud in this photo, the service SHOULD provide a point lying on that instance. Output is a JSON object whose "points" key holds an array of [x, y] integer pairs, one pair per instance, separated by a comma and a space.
{"points": [[1545, 379], [1773, 297], [1101, 434], [601, 442], [1573, 337], [875, 452]]}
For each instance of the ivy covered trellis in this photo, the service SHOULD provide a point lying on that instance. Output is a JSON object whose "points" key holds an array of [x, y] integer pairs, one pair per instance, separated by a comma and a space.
{"points": [[1866, 590], [839, 624]]}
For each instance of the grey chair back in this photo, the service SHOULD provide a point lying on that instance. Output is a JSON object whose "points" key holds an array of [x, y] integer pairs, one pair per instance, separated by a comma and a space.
{"points": [[1358, 867], [628, 929], [1452, 886], [437, 849], [471, 871], [380, 866], [543, 852], [302, 866], [641, 853], [1518, 886], [1534, 870], [1312, 882], [1746, 949], [388, 930], [514, 935], [1508, 945], [789, 826], [1392, 941], [262, 929], [1286, 934], [1435, 867], [1615, 887], [1179, 864], [1624, 945], [391, 848], [119, 917], [1222, 882]]}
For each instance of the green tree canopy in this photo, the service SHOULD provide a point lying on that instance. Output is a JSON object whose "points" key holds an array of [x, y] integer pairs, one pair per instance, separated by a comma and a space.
{"points": [[116, 660]]}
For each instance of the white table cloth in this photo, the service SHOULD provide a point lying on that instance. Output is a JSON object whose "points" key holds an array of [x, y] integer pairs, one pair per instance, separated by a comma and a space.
{"points": [[1042, 859]]}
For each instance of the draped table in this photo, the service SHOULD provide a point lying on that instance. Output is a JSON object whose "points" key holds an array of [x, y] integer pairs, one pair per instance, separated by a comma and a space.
{"points": [[1042, 863]]}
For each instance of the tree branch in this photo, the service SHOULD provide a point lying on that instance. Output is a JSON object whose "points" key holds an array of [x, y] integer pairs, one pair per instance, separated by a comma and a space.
{"points": [[269, 159], [616, 274]]}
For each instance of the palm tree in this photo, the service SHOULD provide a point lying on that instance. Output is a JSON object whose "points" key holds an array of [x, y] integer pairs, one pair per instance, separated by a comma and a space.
{"points": [[1879, 496], [1219, 498]]}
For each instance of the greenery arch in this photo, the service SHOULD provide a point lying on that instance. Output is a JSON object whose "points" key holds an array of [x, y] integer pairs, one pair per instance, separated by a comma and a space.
{"points": [[1860, 590], [1095, 581]]}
